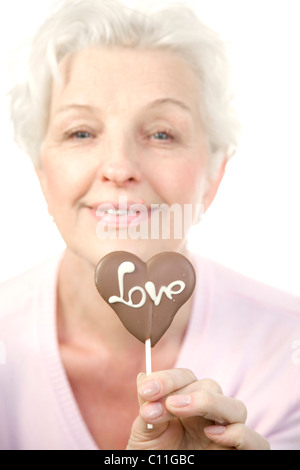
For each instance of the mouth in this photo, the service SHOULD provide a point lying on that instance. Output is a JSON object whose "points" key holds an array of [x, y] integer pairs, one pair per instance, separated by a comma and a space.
{"points": [[121, 214]]}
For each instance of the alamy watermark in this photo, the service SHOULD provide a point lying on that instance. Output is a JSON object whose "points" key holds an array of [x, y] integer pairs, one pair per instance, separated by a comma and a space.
{"points": [[2, 353], [124, 220]]}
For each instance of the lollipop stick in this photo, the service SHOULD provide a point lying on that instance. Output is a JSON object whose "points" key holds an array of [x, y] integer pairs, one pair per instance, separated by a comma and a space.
{"points": [[148, 365], [148, 356]]}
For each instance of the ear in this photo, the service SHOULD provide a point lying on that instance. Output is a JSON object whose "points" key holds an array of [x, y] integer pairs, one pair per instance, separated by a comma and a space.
{"points": [[214, 179]]}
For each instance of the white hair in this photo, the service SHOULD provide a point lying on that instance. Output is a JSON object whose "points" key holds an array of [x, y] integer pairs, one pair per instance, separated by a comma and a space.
{"points": [[79, 24]]}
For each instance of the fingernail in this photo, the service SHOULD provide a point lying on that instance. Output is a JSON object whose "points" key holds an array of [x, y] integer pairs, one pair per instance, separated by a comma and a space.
{"points": [[150, 388], [152, 410], [179, 400], [215, 429]]}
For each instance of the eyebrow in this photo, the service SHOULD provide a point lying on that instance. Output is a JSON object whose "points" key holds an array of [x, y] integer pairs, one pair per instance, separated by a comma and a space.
{"points": [[173, 101], [70, 107]]}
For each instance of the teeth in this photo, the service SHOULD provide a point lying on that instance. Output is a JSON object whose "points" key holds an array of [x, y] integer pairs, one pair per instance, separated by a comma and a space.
{"points": [[119, 212]]}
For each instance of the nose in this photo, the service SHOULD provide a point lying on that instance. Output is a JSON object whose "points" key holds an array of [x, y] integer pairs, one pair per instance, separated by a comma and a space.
{"points": [[120, 165]]}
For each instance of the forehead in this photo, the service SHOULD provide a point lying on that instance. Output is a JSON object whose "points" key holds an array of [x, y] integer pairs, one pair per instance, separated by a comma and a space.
{"points": [[113, 76]]}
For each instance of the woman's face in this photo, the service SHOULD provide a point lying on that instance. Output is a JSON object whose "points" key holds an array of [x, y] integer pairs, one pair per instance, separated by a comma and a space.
{"points": [[124, 125]]}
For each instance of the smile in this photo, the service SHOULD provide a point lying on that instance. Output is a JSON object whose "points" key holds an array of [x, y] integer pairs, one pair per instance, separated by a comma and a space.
{"points": [[121, 214]]}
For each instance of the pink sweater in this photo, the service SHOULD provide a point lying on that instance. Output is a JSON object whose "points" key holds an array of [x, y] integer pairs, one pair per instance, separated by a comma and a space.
{"points": [[242, 334]]}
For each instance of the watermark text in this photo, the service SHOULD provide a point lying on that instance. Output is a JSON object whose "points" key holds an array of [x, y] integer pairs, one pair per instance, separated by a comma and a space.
{"points": [[124, 220]]}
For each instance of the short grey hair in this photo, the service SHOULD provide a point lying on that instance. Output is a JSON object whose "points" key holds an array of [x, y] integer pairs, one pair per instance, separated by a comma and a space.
{"points": [[79, 24]]}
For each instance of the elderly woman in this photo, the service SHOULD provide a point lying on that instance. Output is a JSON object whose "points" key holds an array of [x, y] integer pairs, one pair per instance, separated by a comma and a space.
{"points": [[130, 104]]}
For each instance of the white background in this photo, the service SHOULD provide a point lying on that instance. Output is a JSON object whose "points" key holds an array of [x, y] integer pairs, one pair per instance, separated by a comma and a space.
{"points": [[253, 225]]}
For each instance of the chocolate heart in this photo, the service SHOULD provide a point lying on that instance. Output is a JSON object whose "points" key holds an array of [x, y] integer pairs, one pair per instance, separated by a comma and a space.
{"points": [[145, 296]]}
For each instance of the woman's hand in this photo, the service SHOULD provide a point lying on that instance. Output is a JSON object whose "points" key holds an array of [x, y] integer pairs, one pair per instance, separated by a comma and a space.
{"points": [[189, 414]]}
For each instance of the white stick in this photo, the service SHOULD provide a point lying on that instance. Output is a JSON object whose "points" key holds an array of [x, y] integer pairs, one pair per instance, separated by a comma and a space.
{"points": [[148, 356], [148, 365]]}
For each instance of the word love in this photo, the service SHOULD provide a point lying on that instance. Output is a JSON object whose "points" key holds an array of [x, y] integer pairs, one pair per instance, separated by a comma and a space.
{"points": [[128, 267], [145, 296]]}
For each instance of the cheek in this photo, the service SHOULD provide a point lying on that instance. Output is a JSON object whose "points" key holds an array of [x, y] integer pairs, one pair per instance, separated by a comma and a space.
{"points": [[64, 182], [182, 181]]}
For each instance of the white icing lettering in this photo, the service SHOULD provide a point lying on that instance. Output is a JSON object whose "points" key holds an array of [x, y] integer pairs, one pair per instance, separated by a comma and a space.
{"points": [[168, 290], [128, 267]]}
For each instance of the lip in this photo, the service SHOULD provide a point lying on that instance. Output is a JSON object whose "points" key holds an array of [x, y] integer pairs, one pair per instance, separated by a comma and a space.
{"points": [[121, 214]]}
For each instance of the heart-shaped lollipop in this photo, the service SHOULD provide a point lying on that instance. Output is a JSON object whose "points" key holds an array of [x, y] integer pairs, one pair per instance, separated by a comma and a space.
{"points": [[145, 296]]}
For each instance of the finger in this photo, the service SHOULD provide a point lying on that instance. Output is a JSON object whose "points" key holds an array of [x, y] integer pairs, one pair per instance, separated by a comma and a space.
{"points": [[153, 388], [237, 436], [187, 403], [141, 433], [155, 409], [141, 437], [159, 384], [140, 379], [207, 404]]}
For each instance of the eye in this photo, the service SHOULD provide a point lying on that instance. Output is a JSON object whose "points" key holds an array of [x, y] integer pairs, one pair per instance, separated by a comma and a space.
{"points": [[163, 135], [80, 135]]}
